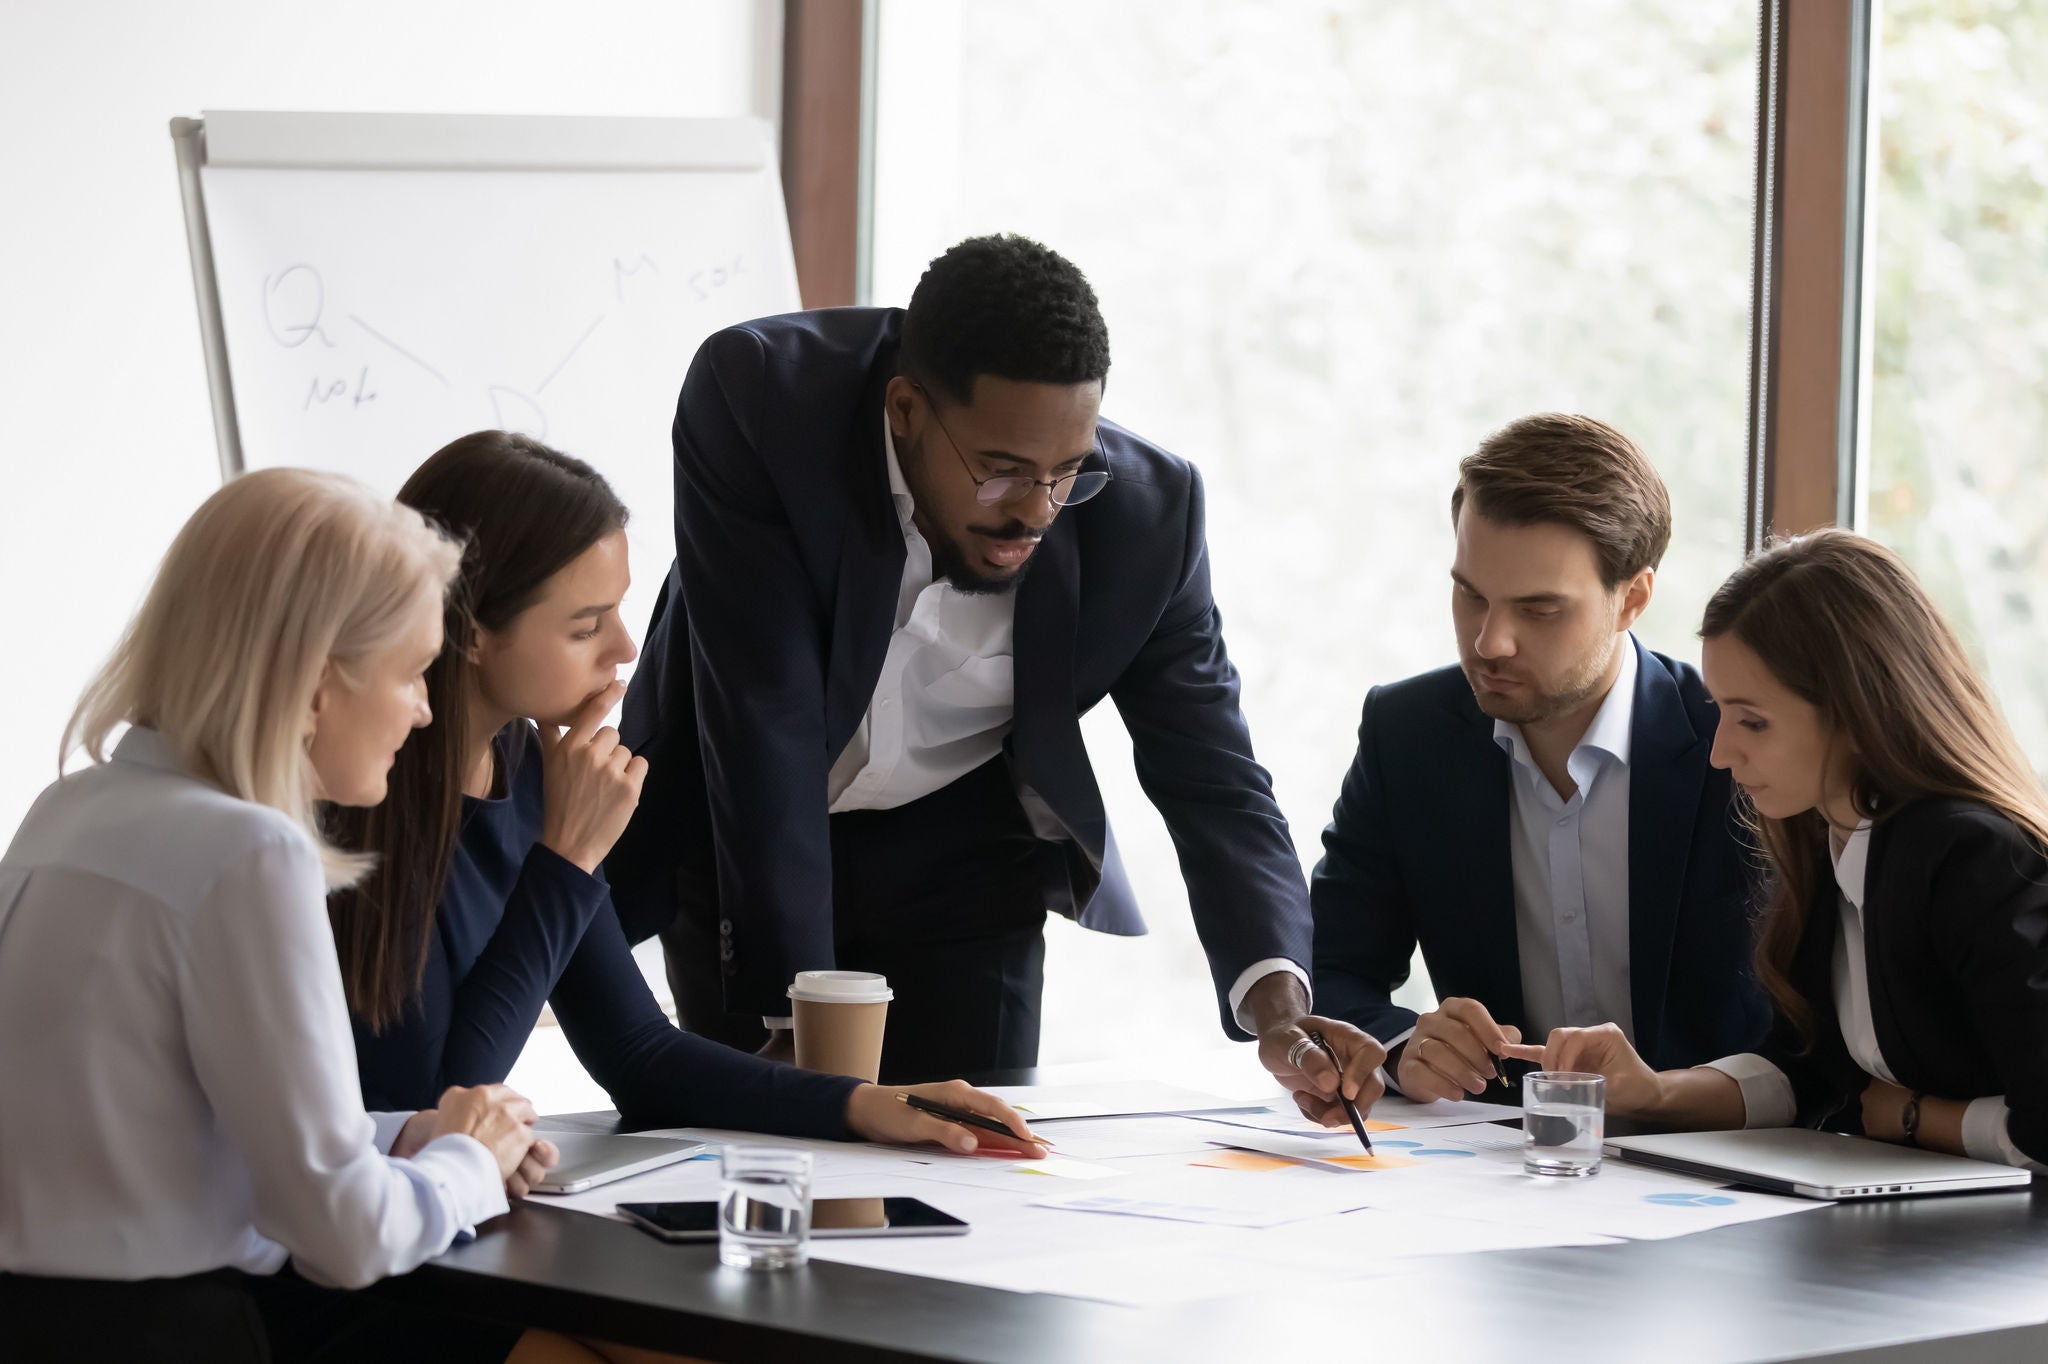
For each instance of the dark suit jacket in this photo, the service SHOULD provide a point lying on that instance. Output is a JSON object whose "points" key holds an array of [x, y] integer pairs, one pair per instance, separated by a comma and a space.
{"points": [[770, 633], [1955, 941], [1418, 851]]}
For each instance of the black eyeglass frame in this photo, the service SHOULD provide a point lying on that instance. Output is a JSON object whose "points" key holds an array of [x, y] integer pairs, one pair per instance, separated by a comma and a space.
{"points": [[1021, 486]]}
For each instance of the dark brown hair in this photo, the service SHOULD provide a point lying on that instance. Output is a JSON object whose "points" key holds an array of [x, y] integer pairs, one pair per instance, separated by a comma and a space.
{"points": [[524, 512], [1842, 623], [1576, 472]]}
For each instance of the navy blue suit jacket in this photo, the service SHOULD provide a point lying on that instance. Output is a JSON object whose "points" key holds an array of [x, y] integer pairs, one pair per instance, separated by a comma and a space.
{"points": [[770, 633], [1418, 852]]}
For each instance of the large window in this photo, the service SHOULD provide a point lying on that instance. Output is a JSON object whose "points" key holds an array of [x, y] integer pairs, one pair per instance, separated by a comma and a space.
{"points": [[1336, 244], [1958, 435]]}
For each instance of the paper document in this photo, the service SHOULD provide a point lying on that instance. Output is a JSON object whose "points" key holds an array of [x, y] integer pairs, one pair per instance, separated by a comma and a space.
{"points": [[1216, 1197], [1045, 1103], [1147, 1263]]}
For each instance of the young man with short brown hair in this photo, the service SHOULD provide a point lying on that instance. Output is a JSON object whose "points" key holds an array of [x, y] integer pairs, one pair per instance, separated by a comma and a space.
{"points": [[1541, 819]]}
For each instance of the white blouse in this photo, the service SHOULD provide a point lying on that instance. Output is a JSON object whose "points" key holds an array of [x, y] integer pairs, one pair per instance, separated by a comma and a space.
{"points": [[1767, 1098], [178, 1086]]}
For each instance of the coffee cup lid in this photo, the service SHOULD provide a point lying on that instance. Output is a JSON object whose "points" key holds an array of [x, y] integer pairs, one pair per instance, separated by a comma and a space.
{"points": [[841, 987]]}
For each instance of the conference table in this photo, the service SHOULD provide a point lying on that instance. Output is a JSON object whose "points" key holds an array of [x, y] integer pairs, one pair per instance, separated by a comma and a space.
{"points": [[1960, 1279]]}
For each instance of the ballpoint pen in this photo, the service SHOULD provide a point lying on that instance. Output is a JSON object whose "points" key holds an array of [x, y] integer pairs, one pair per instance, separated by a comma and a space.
{"points": [[967, 1119], [1350, 1108]]}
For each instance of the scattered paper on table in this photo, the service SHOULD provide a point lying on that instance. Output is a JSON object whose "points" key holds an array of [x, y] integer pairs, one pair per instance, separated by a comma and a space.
{"points": [[1242, 1160], [1047, 1103], [1165, 1210], [1362, 1161], [1060, 1167]]}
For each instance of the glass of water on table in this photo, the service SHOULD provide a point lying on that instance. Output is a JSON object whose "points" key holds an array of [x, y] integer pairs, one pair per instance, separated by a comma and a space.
{"points": [[764, 1207], [1563, 1116]]}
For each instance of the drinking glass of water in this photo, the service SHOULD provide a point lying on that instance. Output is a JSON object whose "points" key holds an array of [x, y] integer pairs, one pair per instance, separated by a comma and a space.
{"points": [[1563, 1114], [764, 1207]]}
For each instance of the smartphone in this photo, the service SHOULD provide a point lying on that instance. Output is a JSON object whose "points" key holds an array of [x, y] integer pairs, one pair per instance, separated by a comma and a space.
{"points": [[829, 1217]]}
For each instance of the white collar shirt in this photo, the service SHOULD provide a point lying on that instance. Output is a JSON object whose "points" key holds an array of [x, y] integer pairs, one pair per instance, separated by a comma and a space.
{"points": [[947, 693], [1570, 867], [1767, 1097], [181, 1078], [945, 702]]}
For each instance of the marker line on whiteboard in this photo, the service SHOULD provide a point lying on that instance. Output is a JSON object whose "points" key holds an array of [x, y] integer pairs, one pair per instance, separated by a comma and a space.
{"points": [[401, 350], [542, 386]]}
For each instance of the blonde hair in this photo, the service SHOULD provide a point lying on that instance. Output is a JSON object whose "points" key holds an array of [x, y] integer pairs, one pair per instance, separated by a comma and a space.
{"points": [[279, 576]]}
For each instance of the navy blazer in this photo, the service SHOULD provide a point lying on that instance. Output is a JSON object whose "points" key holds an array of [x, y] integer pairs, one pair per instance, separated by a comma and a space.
{"points": [[1955, 946], [1418, 852], [769, 636]]}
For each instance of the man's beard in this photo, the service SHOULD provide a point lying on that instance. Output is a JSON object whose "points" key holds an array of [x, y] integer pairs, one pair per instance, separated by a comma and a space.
{"points": [[949, 561], [1544, 705]]}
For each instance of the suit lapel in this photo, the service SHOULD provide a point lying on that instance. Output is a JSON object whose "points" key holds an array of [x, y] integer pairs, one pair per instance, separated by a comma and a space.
{"points": [[1666, 777], [870, 570], [1486, 939], [1047, 742]]}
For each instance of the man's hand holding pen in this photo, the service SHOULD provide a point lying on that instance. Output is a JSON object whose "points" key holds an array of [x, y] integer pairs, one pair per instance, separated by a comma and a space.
{"points": [[1454, 1052]]}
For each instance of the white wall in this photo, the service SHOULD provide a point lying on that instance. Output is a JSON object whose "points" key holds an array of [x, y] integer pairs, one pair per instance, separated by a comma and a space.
{"points": [[108, 443]]}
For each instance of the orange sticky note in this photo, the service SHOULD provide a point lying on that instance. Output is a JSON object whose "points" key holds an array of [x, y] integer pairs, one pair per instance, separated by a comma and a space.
{"points": [[1365, 1162], [1250, 1161]]}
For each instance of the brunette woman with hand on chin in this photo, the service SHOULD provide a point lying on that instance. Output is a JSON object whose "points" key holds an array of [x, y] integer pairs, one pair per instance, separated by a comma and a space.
{"points": [[182, 1113], [1905, 943], [489, 900]]}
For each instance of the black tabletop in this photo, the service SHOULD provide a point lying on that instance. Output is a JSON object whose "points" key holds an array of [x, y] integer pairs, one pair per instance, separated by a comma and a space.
{"points": [[1960, 1279]]}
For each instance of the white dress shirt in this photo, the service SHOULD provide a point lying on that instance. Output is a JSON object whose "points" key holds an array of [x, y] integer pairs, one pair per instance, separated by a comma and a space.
{"points": [[947, 694], [1570, 864], [945, 701], [180, 1089], [1569, 861], [1767, 1098]]}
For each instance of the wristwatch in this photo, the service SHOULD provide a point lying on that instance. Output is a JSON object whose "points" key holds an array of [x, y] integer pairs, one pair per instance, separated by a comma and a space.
{"points": [[1909, 1120]]}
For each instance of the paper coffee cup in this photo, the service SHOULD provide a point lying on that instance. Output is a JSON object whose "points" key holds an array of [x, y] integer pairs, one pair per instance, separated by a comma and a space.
{"points": [[840, 1017]]}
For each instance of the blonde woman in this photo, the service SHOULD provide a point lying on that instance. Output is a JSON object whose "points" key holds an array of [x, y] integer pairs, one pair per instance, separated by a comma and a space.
{"points": [[182, 1111], [1905, 943]]}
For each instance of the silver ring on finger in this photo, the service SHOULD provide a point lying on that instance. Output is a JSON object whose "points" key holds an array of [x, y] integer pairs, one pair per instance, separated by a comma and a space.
{"points": [[1297, 1051]]}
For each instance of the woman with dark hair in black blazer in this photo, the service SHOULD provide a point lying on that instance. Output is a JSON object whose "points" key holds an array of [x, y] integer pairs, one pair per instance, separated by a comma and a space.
{"points": [[1905, 943], [487, 901]]}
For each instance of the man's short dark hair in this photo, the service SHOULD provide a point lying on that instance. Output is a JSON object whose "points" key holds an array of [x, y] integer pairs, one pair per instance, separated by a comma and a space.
{"points": [[1577, 472], [1005, 306]]}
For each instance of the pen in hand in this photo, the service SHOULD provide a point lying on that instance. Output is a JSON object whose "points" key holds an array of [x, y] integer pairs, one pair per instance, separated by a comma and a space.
{"points": [[967, 1119], [1350, 1108]]}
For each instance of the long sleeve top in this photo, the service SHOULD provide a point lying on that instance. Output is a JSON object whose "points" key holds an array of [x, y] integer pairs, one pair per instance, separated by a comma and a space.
{"points": [[519, 926], [180, 1085]]}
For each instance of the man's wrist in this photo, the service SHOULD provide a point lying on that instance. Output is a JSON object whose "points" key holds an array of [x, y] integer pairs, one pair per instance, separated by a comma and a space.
{"points": [[1275, 1000]]}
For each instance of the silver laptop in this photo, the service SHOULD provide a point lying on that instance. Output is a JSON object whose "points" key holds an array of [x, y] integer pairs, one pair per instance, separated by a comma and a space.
{"points": [[590, 1159], [1798, 1160]]}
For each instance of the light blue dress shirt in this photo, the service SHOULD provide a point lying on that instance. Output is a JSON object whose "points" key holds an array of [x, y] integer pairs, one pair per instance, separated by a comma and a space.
{"points": [[1570, 862]]}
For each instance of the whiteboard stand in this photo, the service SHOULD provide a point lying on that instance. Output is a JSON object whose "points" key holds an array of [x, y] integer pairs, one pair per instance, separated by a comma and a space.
{"points": [[188, 137]]}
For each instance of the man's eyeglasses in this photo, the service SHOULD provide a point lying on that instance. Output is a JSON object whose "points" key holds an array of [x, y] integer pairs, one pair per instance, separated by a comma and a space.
{"points": [[1065, 489]]}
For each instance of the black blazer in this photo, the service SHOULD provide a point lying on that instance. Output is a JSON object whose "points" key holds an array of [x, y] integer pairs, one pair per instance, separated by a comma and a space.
{"points": [[1955, 941], [770, 632], [1418, 851]]}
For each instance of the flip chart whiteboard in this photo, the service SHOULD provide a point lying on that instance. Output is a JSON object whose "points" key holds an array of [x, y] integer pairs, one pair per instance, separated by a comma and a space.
{"points": [[372, 286]]}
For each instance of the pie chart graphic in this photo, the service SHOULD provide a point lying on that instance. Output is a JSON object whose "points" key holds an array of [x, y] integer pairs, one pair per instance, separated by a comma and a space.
{"points": [[1689, 1200]]}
